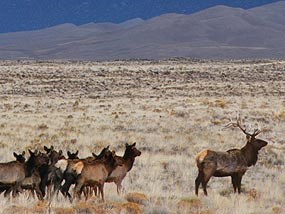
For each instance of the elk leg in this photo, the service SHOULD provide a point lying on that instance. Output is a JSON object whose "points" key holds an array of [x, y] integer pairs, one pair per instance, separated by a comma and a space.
{"points": [[95, 189], [70, 179], [16, 189], [86, 192], [39, 192], [31, 193], [49, 191], [57, 185], [55, 190], [82, 189], [198, 181], [101, 189], [119, 187], [239, 183], [65, 188], [208, 172], [7, 192], [234, 182], [43, 183], [78, 187], [90, 191]]}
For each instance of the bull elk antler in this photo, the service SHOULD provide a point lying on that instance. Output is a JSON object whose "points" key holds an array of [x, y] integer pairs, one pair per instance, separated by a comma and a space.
{"points": [[238, 124]]}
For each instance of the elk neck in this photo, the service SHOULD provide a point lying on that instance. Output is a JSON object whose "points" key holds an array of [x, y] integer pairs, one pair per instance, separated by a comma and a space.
{"points": [[110, 164], [250, 154], [30, 166], [129, 159]]}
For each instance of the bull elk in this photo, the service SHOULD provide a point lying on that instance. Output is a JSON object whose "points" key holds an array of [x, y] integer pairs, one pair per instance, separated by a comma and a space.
{"points": [[233, 162]]}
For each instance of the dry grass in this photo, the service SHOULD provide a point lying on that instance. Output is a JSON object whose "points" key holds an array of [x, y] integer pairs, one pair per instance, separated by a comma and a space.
{"points": [[172, 109]]}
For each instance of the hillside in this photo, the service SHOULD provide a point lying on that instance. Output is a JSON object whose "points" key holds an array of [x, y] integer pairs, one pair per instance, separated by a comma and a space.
{"points": [[216, 33]]}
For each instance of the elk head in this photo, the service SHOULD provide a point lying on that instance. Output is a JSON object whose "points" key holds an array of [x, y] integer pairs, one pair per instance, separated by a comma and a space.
{"points": [[253, 145], [257, 144], [20, 157], [72, 156], [48, 150], [131, 150]]}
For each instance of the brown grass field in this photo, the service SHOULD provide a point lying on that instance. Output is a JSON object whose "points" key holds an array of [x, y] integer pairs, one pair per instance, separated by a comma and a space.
{"points": [[173, 109]]}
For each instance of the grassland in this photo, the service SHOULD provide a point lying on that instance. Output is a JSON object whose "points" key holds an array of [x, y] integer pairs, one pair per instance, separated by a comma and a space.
{"points": [[172, 109]]}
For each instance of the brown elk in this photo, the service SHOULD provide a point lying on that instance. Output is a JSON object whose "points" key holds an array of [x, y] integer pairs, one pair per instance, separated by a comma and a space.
{"points": [[33, 181], [70, 174], [72, 156], [126, 163], [94, 174], [120, 172], [14, 173], [50, 175], [20, 158], [233, 162]]}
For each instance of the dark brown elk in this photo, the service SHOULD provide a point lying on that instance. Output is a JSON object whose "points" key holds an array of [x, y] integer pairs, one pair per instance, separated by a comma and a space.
{"points": [[33, 181], [233, 162], [120, 172], [72, 156], [70, 175], [94, 174], [50, 176], [20, 157]]}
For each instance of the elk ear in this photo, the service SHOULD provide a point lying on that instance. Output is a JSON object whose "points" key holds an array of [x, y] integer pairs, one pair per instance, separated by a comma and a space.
{"points": [[94, 155], [31, 153], [23, 153], [46, 148], [51, 148], [60, 152], [68, 153], [15, 155], [76, 153], [126, 144], [134, 144]]}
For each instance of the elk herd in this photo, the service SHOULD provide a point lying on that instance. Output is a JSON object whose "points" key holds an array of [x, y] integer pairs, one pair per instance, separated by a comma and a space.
{"points": [[48, 173]]}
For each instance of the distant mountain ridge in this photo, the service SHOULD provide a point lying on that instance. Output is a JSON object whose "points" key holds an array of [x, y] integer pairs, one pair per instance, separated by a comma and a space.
{"points": [[219, 32]]}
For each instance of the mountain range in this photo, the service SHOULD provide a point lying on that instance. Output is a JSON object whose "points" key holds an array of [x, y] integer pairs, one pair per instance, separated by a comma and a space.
{"points": [[219, 32]]}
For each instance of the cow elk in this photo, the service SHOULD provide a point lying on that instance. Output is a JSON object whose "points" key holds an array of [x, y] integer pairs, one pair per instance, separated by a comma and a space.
{"points": [[233, 162], [120, 172], [94, 174]]}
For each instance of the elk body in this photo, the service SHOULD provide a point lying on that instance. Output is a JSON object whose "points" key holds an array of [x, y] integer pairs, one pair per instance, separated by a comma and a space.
{"points": [[70, 171], [120, 172], [94, 174], [233, 162], [50, 169], [14, 173], [20, 160]]}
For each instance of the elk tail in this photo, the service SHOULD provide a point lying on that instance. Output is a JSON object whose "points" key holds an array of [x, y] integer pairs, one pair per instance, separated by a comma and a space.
{"points": [[200, 159]]}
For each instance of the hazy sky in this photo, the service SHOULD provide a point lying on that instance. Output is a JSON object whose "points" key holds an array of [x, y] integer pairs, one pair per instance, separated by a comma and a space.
{"points": [[19, 15]]}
